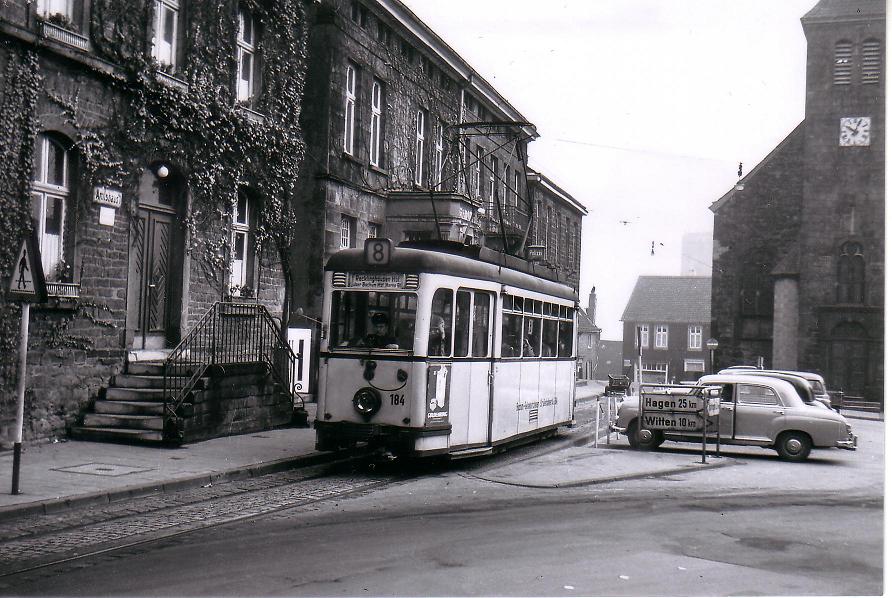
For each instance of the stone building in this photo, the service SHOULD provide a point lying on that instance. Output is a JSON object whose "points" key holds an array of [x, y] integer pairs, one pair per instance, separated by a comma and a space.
{"points": [[153, 147], [667, 320], [799, 252], [407, 141]]}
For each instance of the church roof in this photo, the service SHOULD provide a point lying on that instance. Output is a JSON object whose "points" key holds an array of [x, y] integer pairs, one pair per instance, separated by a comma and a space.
{"points": [[839, 9], [670, 299]]}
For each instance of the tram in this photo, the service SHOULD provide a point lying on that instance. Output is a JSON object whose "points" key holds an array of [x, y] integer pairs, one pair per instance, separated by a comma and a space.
{"points": [[437, 351]]}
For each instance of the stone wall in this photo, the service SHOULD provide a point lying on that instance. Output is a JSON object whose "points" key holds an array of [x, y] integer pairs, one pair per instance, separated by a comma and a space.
{"points": [[237, 401]]}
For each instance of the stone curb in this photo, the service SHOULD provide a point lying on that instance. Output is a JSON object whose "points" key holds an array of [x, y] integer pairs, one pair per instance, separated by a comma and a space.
{"points": [[58, 505]]}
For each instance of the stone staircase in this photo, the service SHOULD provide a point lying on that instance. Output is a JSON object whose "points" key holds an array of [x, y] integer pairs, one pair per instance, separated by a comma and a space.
{"points": [[130, 410]]}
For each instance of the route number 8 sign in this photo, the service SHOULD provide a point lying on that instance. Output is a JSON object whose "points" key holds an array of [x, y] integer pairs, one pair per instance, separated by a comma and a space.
{"points": [[377, 252]]}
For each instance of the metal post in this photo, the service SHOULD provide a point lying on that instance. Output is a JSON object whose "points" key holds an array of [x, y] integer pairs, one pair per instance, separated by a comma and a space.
{"points": [[20, 394], [597, 421], [704, 416]]}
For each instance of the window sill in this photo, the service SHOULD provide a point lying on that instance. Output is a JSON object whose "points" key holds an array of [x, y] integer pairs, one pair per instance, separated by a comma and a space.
{"points": [[171, 81], [351, 158], [252, 115], [378, 169], [65, 36], [63, 290]]}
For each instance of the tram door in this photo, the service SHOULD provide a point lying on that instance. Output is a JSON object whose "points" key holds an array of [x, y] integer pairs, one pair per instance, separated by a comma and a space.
{"points": [[471, 375]]}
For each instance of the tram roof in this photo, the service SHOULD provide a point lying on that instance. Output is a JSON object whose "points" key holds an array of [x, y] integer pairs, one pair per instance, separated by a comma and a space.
{"points": [[411, 260]]}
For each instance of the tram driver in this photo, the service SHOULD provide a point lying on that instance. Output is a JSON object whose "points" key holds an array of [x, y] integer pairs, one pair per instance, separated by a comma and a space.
{"points": [[381, 337]]}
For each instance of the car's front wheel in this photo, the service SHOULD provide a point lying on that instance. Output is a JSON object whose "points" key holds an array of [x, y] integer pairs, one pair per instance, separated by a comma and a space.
{"points": [[793, 446], [643, 440]]}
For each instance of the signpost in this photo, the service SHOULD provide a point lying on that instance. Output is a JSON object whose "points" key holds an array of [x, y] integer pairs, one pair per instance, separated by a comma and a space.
{"points": [[26, 284], [679, 408]]}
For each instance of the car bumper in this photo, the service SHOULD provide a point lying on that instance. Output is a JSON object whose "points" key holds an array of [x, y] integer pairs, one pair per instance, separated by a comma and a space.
{"points": [[615, 428], [849, 444]]}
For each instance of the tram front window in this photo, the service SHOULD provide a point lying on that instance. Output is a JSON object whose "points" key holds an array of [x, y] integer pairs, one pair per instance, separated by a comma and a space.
{"points": [[373, 320]]}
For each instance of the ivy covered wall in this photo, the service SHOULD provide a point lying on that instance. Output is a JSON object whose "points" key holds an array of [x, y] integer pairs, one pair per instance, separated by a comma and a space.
{"points": [[120, 115]]}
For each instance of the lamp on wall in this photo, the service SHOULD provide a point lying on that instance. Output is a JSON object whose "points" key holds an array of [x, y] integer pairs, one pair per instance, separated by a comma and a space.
{"points": [[162, 172]]}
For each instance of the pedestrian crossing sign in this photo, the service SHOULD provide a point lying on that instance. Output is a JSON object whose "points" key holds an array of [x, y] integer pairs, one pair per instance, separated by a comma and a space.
{"points": [[27, 282]]}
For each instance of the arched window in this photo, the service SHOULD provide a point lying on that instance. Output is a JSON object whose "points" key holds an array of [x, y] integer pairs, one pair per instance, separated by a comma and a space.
{"points": [[244, 223], [871, 61], [50, 193], [842, 63], [850, 274]]}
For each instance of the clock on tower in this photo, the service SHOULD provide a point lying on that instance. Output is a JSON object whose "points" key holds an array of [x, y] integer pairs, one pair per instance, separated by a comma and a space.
{"points": [[854, 131]]}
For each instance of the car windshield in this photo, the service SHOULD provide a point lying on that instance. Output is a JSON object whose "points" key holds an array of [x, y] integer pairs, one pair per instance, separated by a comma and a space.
{"points": [[817, 387], [373, 320]]}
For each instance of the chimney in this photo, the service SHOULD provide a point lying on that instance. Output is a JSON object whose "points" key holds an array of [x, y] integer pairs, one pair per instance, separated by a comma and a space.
{"points": [[592, 305]]}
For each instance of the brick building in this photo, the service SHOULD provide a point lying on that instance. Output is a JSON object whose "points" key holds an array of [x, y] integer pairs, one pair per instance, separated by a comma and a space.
{"points": [[799, 274], [670, 316], [407, 141], [153, 148]]}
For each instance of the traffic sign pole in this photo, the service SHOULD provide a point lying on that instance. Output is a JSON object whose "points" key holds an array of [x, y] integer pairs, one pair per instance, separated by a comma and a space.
{"points": [[20, 394]]}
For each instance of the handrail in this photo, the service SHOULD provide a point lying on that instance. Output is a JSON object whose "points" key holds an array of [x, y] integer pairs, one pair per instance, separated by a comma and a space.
{"points": [[228, 333]]}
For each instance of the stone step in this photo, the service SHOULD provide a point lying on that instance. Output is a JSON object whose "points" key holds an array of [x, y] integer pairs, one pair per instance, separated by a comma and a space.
{"points": [[132, 422], [144, 381], [129, 407], [145, 368], [116, 434], [134, 394]]}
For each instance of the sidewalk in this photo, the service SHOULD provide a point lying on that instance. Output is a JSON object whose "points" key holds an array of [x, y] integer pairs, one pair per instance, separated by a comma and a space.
{"points": [[63, 475]]}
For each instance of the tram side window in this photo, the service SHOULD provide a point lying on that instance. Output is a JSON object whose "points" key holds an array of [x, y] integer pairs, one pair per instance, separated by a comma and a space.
{"points": [[462, 323], [565, 339], [480, 338], [549, 338], [532, 336], [440, 338], [512, 329]]}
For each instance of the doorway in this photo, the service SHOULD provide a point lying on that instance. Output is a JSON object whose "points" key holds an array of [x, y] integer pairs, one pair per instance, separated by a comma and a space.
{"points": [[156, 262]]}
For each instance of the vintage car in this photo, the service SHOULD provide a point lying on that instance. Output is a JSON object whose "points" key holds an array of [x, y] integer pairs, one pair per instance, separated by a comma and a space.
{"points": [[755, 410], [815, 380]]}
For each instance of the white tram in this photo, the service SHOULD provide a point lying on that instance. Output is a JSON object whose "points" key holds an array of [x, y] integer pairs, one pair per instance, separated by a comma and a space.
{"points": [[427, 352]]}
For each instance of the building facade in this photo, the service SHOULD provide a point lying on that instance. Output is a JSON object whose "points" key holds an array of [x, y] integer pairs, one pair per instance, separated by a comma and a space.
{"points": [[408, 142], [666, 323], [152, 147], [799, 253], [405, 140]]}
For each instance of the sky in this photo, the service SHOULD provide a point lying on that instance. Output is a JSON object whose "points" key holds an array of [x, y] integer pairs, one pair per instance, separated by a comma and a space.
{"points": [[644, 109]]}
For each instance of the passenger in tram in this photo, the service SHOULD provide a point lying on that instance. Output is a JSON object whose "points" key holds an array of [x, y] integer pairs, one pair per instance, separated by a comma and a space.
{"points": [[381, 337], [436, 344]]}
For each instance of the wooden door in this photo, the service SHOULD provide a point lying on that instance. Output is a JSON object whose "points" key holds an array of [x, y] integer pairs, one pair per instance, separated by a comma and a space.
{"points": [[154, 244]]}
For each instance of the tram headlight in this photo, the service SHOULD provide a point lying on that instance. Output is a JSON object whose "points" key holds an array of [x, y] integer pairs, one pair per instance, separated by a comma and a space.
{"points": [[367, 402]]}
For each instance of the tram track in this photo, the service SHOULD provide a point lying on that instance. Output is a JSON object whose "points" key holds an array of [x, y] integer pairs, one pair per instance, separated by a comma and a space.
{"points": [[47, 541]]}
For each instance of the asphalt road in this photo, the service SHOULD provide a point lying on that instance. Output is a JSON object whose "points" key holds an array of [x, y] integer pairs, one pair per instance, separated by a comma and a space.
{"points": [[754, 526]]}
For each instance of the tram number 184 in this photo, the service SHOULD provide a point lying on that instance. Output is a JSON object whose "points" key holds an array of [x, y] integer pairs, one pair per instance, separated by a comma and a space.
{"points": [[397, 399]]}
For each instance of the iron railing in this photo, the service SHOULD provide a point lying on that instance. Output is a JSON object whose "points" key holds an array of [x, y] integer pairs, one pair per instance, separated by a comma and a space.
{"points": [[228, 335]]}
